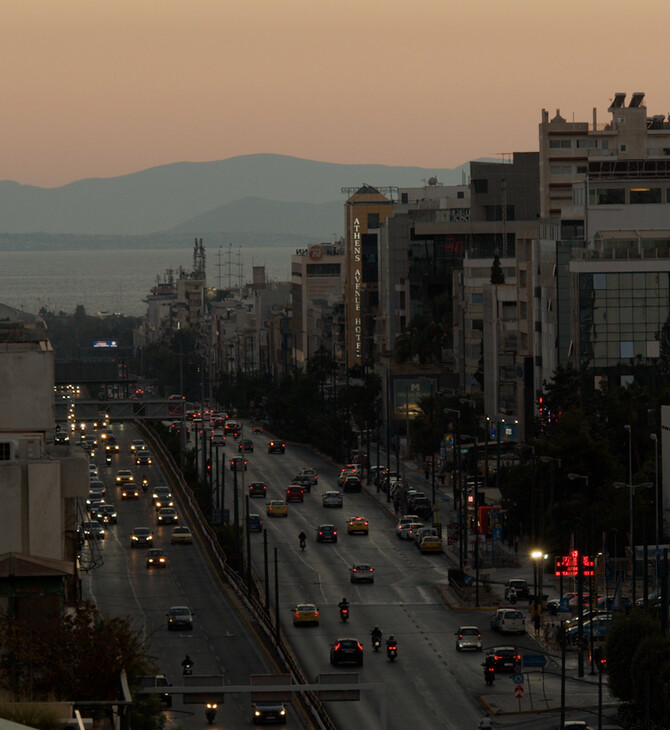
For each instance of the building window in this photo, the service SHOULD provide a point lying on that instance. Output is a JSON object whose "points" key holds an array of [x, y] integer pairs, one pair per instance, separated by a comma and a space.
{"points": [[323, 270], [587, 144], [626, 349], [478, 324], [477, 298], [460, 194], [373, 220], [481, 185], [560, 144], [607, 196], [604, 144], [623, 148], [582, 169], [5, 451], [560, 169], [645, 195], [599, 281]]}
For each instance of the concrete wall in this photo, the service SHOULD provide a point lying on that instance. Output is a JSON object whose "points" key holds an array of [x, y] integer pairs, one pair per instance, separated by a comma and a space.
{"points": [[27, 387]]}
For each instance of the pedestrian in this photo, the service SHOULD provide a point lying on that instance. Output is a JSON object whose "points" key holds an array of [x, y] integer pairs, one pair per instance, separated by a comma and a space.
{"points": [[537, 622]]}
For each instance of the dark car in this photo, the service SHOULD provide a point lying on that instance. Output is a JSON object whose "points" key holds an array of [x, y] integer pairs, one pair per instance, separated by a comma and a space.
{"points": [[258, 489], [520, 586], [346, 651], [106, 514], [238, 463], [304, 481], [156, 558], [246, 445], [143, 458], [269, 713], [326, 533], [295, 493], [276, 447], [352, 483], [255, 522], [362, 573], [505, 658]]}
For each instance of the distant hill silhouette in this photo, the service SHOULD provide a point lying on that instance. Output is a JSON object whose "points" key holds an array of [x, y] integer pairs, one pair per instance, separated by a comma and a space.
{"points": [[265, 194]]}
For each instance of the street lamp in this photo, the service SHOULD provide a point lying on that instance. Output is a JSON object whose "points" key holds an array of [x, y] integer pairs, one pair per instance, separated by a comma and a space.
{"points": [[572, 477], [632, 488], [658, 511], [456, 455], [537, 556]]}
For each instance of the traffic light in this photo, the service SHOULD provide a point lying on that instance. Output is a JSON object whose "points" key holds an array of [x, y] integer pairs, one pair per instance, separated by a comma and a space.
{"points": [[209, 465]]}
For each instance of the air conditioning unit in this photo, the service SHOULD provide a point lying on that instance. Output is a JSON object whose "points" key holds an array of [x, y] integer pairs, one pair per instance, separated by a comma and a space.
{"points": [[30, 447]]}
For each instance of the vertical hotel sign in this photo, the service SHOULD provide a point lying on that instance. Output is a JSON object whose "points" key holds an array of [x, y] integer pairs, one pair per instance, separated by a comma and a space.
{"points": [[355, 320]]}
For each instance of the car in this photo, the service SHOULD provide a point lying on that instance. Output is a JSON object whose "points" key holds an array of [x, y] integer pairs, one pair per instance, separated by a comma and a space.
{"points": [[156, 558], [352, 483], [408, 530], [106, 514], [137, 444], [258, 489], [143, 458], [276, 447], [179, 617], [61, 437], [162, 497], [305, 614], [218, 437], [326, 533], [94, 495], [405, 520], [130, 492], [277, 508], [595, 628], [256, 429], [560, 605], [167, 516], [93, 470], [295, 493], [311, 474], [238, 463], [346, 651], [615, 603], [254, 522], [124, 476], [468, 638], [246, 445], [431, 544], [362, 573], [111, 444], [422, 507], [141, 537], [302, 481], [504, 658], [520, 586], [269, 713], [424, 532], [93, 504], [348, 470], [97, 485], [332, 499], [92, 531], [357, 525], [181, 535], [508, 621]]}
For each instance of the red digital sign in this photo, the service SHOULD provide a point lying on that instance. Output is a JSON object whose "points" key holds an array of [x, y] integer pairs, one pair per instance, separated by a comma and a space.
{"points": [[566, 565]]}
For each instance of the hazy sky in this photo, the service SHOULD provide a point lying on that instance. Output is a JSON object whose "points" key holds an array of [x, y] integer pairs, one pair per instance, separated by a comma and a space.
{"points": [[99, 88]]}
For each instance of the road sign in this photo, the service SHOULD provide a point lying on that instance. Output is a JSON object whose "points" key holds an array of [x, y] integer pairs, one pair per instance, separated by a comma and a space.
{"points": [[518, 692], [340, 680], [265, 681], [517, 678], [534, 660]]}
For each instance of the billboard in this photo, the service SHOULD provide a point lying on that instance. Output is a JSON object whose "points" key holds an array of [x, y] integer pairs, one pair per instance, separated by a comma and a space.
{"points": [[407, 394]]}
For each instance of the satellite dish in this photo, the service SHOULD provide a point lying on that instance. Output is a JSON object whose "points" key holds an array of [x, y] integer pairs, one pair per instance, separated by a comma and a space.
{"points": [[432, 181]]}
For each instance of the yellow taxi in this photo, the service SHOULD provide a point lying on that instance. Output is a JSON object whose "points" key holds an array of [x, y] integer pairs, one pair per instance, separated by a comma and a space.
{"points": [[277, 508], [357, 524], [431, 544], [305, 614]]}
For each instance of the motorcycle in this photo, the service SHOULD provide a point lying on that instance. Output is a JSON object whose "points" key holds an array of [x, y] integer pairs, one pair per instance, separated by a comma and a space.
{"points": [[210, 712], [108, 459], [489, 675], [376, 642], [145, 485], [188, 670], [344, 614], [392, 651], [302, 544]]}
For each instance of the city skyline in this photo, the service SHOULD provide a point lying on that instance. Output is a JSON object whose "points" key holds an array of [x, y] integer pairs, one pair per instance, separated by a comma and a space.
{"points": [[101, 90]]}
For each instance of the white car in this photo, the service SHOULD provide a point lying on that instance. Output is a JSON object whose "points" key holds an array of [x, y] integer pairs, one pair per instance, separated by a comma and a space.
{"points": [[408, 531], [405, 520], [468, 638], [332, 499]]}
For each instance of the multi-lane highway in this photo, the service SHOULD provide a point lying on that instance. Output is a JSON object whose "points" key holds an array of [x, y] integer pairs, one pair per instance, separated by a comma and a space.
{"points": [[429, 685]]}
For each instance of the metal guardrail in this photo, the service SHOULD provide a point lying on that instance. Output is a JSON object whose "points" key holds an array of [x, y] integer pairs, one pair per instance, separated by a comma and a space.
{"points": [[255, 607]]}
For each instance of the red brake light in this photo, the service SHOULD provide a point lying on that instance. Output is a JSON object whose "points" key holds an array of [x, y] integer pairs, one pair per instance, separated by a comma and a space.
{"points": [[337, 646], [359, 646], [334, 532]]}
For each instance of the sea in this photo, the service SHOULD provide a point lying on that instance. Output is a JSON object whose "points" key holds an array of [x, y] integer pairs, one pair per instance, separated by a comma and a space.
{"points": [[118, 279]]}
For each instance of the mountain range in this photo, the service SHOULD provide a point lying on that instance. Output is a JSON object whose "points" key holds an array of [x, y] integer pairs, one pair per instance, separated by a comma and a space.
{"points": [[261, 197]]}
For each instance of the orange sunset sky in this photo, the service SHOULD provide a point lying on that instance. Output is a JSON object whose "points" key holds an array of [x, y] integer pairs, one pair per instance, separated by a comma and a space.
{"points": [[99, 88]]}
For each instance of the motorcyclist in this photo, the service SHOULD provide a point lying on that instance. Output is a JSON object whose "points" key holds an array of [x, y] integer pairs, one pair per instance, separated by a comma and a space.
{"points": [[187, 663], [145, 483], [376, 634], [302, 537], [343, 604], [485, 723], [391, 642]]}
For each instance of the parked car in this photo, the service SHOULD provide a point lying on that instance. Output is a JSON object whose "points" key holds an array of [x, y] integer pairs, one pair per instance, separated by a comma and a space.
{"points": [[508, 621], [520, 586], [596, 627], [424, 532], [431, 544]]}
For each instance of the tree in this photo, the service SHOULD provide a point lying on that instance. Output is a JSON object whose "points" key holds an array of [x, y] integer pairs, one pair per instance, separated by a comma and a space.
{"points": [[497, 274]]}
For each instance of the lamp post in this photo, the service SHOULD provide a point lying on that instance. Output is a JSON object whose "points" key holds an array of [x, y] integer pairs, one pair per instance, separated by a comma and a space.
{"points": [[631, 488], [657, 506], [572, 477], [456, 451], [537, 556]]}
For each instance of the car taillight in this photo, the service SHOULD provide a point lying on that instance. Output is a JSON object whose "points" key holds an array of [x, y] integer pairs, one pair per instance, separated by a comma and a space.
{"points": [[366, 524], [334, 532], [337, 646], [360, 648]]}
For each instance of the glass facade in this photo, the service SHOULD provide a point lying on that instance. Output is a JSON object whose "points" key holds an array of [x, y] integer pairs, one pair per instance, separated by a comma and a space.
{"points": [[621, 316]]}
